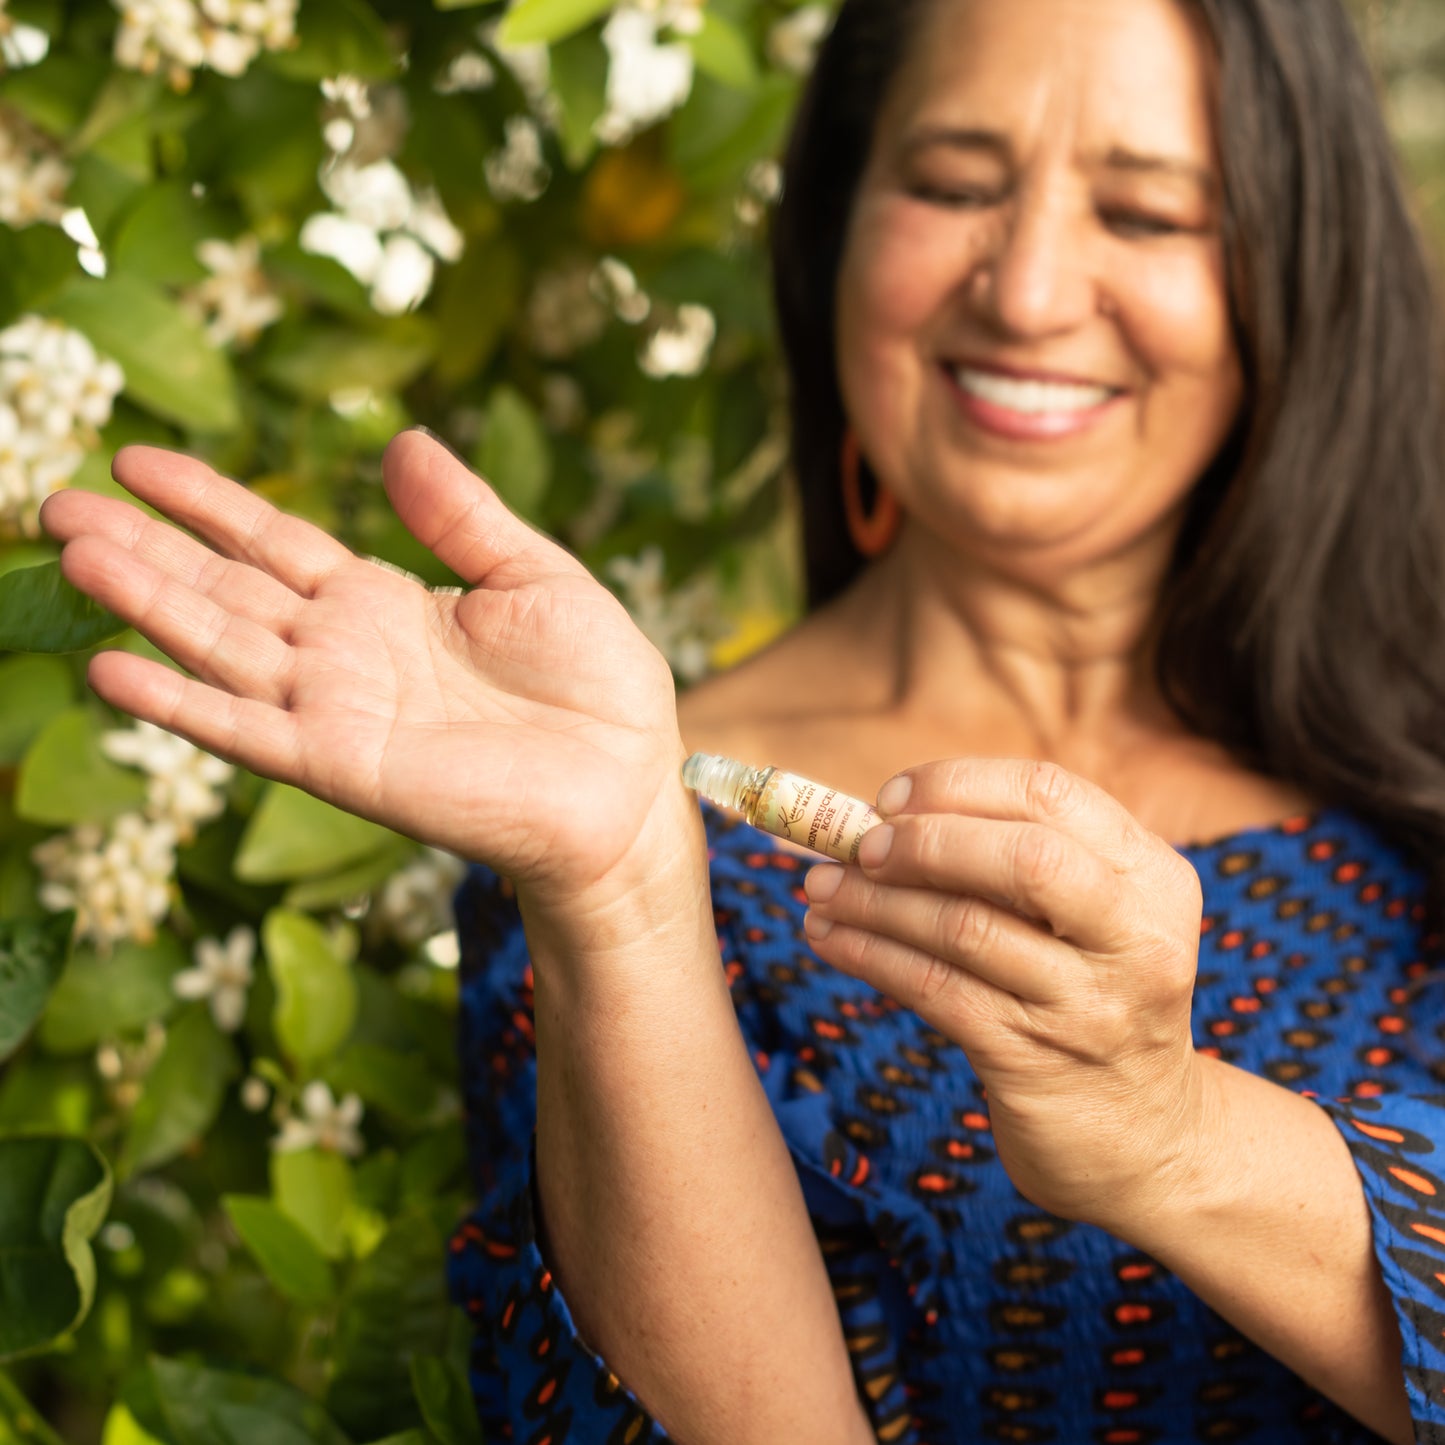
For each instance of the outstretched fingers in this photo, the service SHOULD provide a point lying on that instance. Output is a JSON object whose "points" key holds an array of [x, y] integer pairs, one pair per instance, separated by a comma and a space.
{"points": [[220, 647], [231, 518], [236, 586], [254, 734]]}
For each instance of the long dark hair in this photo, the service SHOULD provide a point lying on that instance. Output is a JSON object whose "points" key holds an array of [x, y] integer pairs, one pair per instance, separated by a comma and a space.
{"points": [[1302, 624]]}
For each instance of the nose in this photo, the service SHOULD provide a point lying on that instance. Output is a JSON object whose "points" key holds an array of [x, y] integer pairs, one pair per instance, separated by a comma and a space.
{"points": [[1037, 280]]}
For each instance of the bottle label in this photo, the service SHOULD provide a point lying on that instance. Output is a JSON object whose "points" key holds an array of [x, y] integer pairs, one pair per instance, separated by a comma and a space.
{"points": [[813, 816]]}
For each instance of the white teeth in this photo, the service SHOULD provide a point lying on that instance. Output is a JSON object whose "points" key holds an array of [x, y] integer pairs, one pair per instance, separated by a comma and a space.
{"points": [[1033, 398]]}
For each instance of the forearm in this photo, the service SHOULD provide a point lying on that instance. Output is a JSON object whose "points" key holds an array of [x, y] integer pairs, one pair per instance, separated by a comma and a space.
{"points": [[1272, 1231], [673, 1214]]}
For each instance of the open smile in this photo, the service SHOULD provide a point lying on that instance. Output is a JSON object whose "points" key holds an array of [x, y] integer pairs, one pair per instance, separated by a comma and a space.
{"points": [[1025, 407]]}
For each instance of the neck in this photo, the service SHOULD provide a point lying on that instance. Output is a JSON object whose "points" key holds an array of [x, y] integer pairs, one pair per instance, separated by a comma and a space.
{"points": [[1058, 658]]}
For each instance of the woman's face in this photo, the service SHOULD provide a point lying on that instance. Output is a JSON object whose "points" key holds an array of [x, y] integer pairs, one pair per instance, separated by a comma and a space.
{"points": [[1034, 337]]}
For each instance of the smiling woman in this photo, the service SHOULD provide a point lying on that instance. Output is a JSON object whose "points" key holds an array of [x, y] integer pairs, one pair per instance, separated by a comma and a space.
{"points": [[1001, 1131]]}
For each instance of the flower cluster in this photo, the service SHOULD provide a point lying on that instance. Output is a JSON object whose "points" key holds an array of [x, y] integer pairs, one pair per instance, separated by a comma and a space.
{"points": [[416, 902], [33, 176], [184, 786], [55, 395], [235, 303], [647, 77], [185, 35], [683, 623], [388, 235], [118, 880]]}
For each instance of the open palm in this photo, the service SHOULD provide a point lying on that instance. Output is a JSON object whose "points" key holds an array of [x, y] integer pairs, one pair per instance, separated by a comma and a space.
{"points": [[525, 722]]}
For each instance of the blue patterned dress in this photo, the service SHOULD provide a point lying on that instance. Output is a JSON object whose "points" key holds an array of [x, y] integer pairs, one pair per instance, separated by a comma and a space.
{"points": [[970, 1314]]}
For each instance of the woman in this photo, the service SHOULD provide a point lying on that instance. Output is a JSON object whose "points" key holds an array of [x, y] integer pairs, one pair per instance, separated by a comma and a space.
{"points": [[1121, 304]]}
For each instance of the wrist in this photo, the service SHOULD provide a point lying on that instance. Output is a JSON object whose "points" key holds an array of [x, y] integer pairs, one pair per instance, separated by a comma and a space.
{"points": [[657, 884]]}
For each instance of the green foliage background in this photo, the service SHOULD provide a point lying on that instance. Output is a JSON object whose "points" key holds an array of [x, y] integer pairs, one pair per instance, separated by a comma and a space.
{"points": [[165, 1274]]}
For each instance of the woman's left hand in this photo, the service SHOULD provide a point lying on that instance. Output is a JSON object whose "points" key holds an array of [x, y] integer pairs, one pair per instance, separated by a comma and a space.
{"points": [[1026, 915]]}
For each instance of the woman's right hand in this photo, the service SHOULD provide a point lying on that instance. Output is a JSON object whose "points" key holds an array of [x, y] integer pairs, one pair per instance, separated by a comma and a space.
{"points": [[526, 723]]}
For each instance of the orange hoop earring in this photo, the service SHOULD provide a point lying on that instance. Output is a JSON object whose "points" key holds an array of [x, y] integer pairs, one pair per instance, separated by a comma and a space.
{"points": [[872, 533]]}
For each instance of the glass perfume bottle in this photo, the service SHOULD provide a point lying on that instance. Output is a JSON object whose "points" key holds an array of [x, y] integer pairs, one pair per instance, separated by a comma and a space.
{"points": [[784, 804]]}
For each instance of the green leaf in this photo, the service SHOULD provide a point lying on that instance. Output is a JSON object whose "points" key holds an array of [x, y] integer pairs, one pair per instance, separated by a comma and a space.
{"points": [[514, 454], [32, 955], [446, 1401], [398, 1084], [284, 1250], [337, 37], [394, 1309], [158, 237], [217, 1407], [53, 1095], [171, 369], [65, 778], [293, 835], [20, 1422], [53, 1196], [122, 1428], [722, 51], [41, 612], [315, 1188], [315, 990], [34, 264], [529, 21], [477, 300], [34, 689], [356, 879], [579, 81], [182, 1094], [314, 362], [99, 997]]}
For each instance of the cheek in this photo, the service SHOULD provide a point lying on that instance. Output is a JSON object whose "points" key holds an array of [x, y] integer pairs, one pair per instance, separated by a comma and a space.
{"points": [[1178, 321], [900, 266]]}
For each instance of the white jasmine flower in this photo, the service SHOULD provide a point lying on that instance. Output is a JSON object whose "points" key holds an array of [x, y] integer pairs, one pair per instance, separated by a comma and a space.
{"points": [[793, 42], [236, 302], [55, 395], [118, 881], [184, 785], [388, 236], [646, 79], [517, 172], [682, 346], [255, 1094], [416, 902], [683, 624], [325, 1124], [181, 36], [124, 1063], [33, 175], [222, 974]]}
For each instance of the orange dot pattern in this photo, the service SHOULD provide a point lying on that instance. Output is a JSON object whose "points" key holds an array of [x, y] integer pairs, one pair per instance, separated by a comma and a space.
{"points": [[968, 1314]]}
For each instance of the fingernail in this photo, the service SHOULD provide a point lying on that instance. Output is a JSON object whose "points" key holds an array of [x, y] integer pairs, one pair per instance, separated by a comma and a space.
{"points": [[823, 882], [877, 844], [894, 794], [816, 926]]}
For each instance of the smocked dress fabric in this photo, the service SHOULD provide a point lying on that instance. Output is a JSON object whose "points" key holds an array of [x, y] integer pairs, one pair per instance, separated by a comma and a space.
{"points": [[971, 1315]]}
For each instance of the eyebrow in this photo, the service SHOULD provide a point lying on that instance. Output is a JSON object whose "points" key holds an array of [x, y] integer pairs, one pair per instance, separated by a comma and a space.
{"points": [[1117, 158]]}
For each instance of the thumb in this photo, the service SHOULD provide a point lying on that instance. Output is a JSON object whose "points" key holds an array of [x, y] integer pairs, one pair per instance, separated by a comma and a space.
{"points": [[455, 515]]}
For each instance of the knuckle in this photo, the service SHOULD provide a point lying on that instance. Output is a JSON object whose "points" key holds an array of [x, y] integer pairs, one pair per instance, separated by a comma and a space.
{"points": [[972, 930], [1052, 790], [936, 980], [1039, 860]]}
